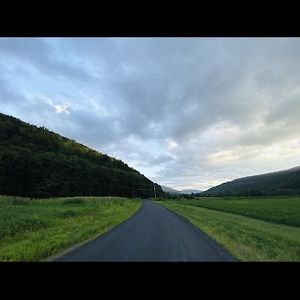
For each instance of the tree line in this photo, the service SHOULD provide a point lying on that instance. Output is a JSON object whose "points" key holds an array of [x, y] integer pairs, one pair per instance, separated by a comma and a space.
{"points": [[35, 162]]}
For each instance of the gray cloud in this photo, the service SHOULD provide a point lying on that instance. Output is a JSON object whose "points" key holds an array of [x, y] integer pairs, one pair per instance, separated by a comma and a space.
{"points": [[186, 112], [41, 55], [7, 93]]}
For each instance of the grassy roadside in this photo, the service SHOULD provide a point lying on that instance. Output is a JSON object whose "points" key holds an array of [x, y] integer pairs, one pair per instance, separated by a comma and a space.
{"points": [[31, 230], [246, 238]]}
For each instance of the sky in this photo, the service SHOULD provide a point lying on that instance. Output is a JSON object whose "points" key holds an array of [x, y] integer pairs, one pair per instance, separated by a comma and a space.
{"points": [[185, 112]]}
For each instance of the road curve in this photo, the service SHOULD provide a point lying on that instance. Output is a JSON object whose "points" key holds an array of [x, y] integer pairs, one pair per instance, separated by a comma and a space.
{"points": [[152, 234]]}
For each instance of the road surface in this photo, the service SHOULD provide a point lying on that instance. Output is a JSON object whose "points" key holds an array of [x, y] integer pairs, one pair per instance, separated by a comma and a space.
{"points": [[152, 234]]}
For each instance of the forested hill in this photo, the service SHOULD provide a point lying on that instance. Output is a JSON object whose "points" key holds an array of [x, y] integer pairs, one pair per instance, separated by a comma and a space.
{"points": [[285, 182], [36, 162]]}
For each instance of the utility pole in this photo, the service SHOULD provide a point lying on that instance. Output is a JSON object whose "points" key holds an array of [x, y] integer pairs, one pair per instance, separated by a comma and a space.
{"points": [[154, 191]]}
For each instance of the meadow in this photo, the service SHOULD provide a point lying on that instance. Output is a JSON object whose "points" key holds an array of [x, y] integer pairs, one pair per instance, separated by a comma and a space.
{"points": [[281, 210], [34, 229], [250, 228]]}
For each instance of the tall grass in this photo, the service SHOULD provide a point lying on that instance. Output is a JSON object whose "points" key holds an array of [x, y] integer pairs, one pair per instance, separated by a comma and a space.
{"points": [[32, 229]]}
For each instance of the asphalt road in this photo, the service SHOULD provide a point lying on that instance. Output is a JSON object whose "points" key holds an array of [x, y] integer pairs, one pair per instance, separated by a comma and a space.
{"points": [[152, 234]]}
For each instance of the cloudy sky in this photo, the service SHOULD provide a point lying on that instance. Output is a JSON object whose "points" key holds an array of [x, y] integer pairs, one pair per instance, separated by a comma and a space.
{"points": [[185, 112]]}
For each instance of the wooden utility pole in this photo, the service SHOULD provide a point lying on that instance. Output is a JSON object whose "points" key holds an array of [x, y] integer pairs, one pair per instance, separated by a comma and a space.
{"points": [[154, 191]]}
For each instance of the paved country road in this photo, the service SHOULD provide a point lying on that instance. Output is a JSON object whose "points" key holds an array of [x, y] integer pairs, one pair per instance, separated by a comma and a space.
{"points": [[152, 234]]}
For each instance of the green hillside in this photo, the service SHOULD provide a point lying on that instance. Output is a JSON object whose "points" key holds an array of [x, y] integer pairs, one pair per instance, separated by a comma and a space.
{"points": [[285, 182], [35, 162]]}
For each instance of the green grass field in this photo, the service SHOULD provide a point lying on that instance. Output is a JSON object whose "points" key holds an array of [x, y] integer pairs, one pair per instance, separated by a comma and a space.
{"points": [[31, 230], [282, 210], [247, 238]]}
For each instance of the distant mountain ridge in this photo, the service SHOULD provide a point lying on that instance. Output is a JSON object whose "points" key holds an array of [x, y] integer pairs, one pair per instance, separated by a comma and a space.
{"points": [[35, 162], [173, 191], [285, 182], [169, 190], [191, 191]]}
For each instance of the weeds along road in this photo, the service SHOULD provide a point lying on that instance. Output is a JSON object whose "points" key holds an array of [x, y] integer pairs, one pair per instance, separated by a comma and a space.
{"points": [[152, 234]]}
